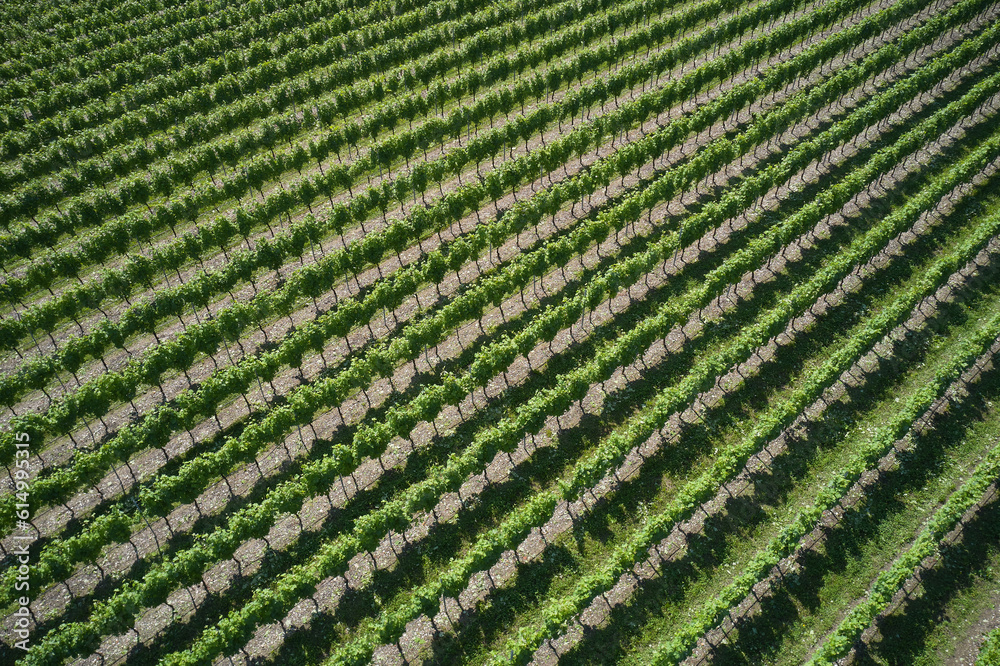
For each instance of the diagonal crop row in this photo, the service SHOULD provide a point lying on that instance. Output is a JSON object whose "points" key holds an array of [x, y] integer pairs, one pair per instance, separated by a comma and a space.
{"points": [[112, 239], [438, 208], [490, 438], [726, 463]]}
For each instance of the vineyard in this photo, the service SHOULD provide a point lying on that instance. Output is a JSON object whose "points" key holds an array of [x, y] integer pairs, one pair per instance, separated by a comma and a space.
{"points": [[500, 332]]}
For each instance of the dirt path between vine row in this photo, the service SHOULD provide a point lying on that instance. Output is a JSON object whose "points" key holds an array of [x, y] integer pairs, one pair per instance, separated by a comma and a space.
{"points": [[988, 621], [969, 645]]}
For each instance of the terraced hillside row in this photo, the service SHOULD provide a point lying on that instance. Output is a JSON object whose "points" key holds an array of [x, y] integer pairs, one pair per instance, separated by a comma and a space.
{"points": [[512, 332]]}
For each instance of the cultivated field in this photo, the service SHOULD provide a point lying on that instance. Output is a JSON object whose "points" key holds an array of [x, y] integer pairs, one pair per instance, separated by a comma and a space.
{"points": [[526, 331]]}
